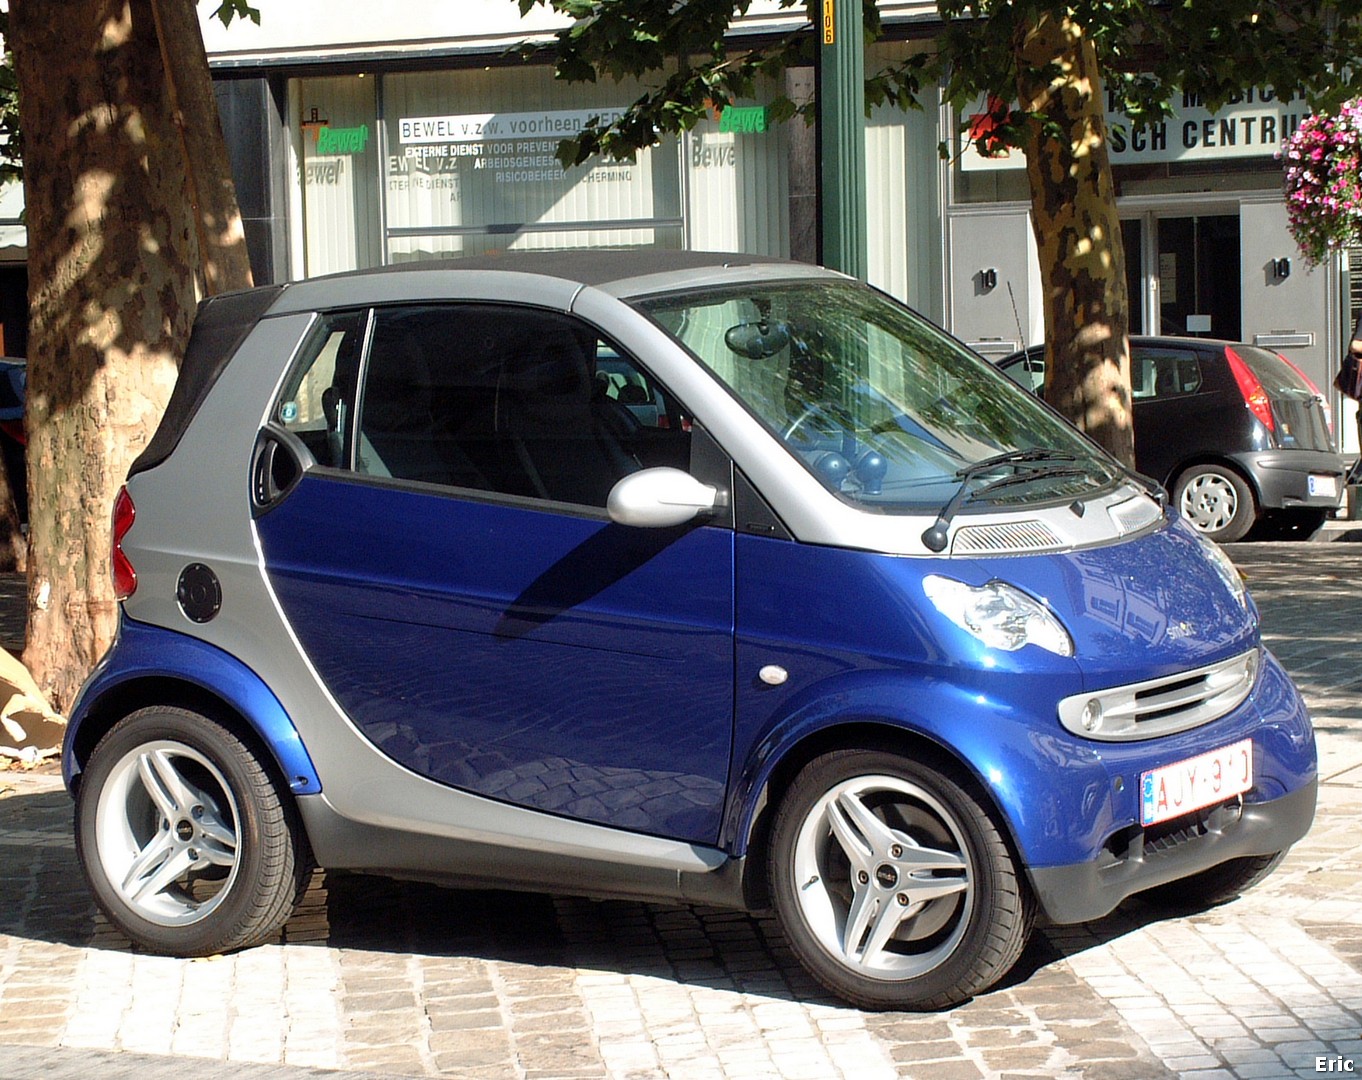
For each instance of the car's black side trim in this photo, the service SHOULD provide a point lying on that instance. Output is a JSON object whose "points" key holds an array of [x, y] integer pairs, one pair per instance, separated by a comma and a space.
{"points": [[342, 844]]}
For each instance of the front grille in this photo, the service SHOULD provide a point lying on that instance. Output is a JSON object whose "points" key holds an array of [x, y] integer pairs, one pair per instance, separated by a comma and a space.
{"points": [[1167, 835], [1146, 710], [1013, 536]]}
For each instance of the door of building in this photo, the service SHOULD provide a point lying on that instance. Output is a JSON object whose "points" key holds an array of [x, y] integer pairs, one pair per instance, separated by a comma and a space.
{"points": [[1182, 274], [1197, 269]]}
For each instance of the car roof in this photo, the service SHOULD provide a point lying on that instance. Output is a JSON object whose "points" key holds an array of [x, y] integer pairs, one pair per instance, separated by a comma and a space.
{"points": [[1163, 341], [551, 277]]}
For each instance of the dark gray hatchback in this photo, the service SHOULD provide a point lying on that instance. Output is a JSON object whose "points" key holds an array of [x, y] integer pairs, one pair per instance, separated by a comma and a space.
{"points": [[1238, 434]]}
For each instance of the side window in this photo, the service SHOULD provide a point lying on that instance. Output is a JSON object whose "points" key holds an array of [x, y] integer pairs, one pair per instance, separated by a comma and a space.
{"points": [[1164, 373], [1028, 372], [509, 400], [319, 399]]}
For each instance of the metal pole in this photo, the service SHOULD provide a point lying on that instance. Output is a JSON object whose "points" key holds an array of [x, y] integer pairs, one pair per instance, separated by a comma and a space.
{"points": [[841, 123]]}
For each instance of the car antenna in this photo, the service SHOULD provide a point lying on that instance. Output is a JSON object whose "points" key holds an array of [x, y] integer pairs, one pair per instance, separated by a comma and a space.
{"points": [[1021, 334]]}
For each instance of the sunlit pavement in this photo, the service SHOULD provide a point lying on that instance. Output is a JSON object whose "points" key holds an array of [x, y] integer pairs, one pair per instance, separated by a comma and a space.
{"points": [[380, 977]]}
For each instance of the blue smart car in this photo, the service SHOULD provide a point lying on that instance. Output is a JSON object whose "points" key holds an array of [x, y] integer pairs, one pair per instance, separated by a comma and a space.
{"points": [[848, 625]]}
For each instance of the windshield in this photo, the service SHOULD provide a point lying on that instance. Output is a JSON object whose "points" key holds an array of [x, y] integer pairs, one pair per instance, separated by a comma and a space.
{"points": [[886, 410]]}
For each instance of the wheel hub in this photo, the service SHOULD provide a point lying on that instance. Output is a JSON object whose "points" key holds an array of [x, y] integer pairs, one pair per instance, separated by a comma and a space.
{"points": [[890, 888]]}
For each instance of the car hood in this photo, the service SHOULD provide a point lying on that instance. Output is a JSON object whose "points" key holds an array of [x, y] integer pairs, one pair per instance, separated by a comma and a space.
{"points": [[1150, 606]]}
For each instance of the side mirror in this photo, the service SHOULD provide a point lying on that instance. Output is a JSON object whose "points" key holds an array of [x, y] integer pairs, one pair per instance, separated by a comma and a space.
{"points": [[659, 499]]}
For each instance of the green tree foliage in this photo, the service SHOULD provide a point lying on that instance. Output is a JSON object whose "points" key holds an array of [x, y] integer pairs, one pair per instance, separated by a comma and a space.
{"points": [[1038, 75]]}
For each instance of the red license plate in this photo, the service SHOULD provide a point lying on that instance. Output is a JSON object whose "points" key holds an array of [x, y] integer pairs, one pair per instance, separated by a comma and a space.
{"points": [[1196, 783]]}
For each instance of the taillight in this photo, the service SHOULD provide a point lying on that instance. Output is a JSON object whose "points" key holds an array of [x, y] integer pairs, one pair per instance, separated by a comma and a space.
{"points": [[1323, 401], [124, 576], [1255, 397]]}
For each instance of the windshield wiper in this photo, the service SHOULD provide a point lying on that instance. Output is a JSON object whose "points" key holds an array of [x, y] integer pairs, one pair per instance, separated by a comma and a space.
{"points": [[1039, 463]]}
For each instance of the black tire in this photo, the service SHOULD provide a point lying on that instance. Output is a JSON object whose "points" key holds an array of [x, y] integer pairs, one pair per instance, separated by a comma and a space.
{"points": [[1218, 885], [1217, 501], [167, 789], [938, 950]]}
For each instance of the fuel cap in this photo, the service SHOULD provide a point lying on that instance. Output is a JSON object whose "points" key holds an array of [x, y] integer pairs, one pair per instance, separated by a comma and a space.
{"points": [[199, 593]]}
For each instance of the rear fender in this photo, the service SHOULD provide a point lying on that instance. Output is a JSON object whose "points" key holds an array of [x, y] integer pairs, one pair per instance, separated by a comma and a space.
{"points": [[148, 665]]}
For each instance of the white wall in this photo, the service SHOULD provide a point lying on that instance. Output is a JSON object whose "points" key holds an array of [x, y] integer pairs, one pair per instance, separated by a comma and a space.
{"points": [[340, 28]]}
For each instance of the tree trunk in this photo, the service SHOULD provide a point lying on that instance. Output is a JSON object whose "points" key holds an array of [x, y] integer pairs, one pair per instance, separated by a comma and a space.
{"points": [[1078, 232], [113, 254], [224, 263]]}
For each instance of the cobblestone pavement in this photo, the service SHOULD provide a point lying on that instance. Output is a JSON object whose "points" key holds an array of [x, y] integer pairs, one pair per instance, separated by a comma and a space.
{"points": [[375, 977]]}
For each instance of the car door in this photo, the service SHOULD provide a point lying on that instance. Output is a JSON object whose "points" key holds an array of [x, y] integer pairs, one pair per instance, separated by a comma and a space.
{"points": [[1177, 414], [449, 568]]}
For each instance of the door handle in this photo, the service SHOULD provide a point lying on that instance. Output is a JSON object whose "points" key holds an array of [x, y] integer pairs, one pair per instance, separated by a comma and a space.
{"points": [[275, 469]]}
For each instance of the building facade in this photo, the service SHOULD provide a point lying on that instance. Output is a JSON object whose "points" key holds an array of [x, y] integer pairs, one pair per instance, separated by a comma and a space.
{"points": [[361, 139]]}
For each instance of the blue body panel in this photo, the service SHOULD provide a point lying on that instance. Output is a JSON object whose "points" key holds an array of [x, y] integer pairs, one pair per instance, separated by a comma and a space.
{"points": [[862, 644], [150, 652], [556, 661]]}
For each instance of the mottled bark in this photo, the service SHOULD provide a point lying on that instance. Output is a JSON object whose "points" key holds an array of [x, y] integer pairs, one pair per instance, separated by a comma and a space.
{"points": [[13, 544], [224, 263], [1078, 232], [113, 254]]}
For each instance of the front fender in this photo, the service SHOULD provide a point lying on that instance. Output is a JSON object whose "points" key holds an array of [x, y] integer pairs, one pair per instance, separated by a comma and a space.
{"points": [[1053, 791], [146, 661]]}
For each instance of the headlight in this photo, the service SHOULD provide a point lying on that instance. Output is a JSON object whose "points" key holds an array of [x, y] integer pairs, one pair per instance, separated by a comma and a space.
{"points": [[999, 615], [1225, 570]]}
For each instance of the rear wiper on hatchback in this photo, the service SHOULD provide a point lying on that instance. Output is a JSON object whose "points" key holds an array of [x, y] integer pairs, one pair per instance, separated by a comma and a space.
{"points": [[1037, 462]]}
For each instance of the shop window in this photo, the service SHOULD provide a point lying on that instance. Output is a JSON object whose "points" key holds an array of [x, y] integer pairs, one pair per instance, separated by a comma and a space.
{"points": [[339, 152], [471, 168]]}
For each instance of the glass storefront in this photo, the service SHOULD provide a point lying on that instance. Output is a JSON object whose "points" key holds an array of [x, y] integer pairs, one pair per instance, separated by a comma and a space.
{"points": [[401, 166], [417, 165]]}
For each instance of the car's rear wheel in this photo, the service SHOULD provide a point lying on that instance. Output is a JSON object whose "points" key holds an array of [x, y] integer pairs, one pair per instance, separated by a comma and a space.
{"points": [[185, 839], [1217, 501], [893, 884]]}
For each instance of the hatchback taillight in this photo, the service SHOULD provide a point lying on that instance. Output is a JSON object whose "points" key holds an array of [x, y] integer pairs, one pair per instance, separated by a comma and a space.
{"points": [[124, 576], [1255, 397]]}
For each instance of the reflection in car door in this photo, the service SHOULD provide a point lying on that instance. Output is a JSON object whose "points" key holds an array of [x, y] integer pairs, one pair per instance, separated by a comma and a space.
{"points": [[524, 648]]}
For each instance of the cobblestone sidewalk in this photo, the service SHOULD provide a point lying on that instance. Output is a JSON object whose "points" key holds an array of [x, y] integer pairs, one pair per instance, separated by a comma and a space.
{"points": [[375, 977]]}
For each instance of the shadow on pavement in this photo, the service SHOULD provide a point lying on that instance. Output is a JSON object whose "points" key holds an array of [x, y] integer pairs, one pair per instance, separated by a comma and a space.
{"points": [[43, 897]]}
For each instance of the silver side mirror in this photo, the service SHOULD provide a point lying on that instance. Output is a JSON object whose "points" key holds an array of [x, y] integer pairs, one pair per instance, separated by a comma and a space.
{"points": [[659, 498]]}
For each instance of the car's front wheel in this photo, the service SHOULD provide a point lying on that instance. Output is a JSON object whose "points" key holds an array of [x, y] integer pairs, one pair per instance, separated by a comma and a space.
{"points": [[893, 884], [185, 839], [1217, 501]]}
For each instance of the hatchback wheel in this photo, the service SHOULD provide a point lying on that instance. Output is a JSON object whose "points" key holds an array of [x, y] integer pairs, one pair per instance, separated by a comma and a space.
{"points": [[1217, 501], [893, 884], [184, 838]]}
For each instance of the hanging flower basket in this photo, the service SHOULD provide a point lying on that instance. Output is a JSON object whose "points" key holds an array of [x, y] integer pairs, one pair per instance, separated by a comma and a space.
{"points": [[1323, 180]]}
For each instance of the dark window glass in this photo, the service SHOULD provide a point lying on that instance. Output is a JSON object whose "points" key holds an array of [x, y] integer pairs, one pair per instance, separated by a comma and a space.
{"points": [[318, 403], [1276, 376], [1163, 373], [507, 400]]}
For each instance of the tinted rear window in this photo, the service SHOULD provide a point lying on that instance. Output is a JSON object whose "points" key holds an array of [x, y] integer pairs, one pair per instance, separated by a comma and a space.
{"points": [[1276, 376]]}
